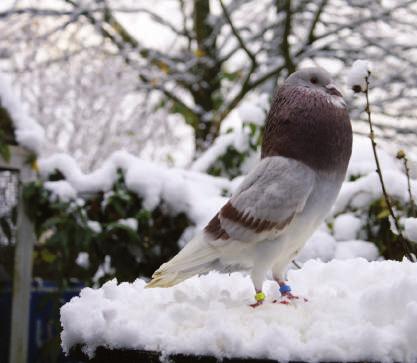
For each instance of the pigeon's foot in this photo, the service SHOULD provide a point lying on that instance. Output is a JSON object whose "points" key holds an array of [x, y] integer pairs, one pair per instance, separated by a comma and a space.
{"points": [[290, 299], [290, 296], [259, 297], [287, 297], [258, 303]]}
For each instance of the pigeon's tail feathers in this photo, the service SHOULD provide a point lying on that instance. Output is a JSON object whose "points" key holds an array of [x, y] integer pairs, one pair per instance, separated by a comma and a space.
{"points": [[196, 258]]}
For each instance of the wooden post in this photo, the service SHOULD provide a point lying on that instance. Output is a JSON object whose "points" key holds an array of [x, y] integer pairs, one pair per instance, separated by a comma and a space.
{"points": [[22, 273]]}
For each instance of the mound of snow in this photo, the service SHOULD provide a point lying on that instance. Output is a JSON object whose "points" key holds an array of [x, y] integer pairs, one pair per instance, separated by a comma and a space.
{"points": [[320, 245], [346, 226], [357, 311], [356, 78], [351, 249]]}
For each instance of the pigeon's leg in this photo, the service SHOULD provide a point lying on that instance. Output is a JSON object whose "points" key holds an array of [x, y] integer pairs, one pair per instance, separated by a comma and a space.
{"points": [[258, 275], [286, 295]]}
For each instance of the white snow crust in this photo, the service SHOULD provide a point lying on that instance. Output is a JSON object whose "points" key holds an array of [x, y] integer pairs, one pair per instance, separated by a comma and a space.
{"points": [[356, 311], [358, 73], [28, 132]]}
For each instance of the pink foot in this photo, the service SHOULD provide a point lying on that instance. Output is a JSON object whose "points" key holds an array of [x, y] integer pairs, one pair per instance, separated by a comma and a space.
{"points": [[290, 296], [259, 297], [287, 296], [283, 302], [258, 303]]}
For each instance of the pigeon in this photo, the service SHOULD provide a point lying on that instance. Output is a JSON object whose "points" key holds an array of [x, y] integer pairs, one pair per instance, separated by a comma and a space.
{"points": [[305, 152]]}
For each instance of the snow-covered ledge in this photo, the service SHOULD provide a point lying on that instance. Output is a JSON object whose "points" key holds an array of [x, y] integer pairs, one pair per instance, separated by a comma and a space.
{"points": [[356, 311]]}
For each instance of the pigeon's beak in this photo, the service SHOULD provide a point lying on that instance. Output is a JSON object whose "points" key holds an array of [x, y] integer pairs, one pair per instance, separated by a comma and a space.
{"points": [[332, 90]]}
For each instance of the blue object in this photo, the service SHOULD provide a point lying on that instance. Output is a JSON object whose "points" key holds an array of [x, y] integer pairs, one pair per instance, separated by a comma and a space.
{"points": [[284, 288], [44, 325]]}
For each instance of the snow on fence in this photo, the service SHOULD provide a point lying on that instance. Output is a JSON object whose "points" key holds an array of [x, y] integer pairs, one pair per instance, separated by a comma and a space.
{"points": [[356, 311]]}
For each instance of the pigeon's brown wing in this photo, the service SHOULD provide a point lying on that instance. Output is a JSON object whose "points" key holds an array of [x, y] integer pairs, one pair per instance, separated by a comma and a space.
{"points": [[265, 203]]}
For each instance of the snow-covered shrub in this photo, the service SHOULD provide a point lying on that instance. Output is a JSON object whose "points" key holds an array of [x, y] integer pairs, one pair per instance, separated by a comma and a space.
{"points": [[361, 211], [131, 215], [127, 216], [102, 236]]}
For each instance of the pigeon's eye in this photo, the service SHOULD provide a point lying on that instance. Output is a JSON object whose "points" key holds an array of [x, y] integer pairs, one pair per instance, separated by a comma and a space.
{"points": [[314, 80]]}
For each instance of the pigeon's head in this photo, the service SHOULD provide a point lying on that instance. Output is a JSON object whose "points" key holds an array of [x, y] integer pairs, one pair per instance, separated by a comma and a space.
{"points": [[314, 79]]}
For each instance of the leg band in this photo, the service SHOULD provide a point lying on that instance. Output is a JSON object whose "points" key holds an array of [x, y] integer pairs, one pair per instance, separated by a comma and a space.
{"points": [[284, 288], [260, 296]]}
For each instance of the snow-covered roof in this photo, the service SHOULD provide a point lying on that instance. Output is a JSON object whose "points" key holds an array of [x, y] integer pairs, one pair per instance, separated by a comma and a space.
{"points": [[28, 132]]}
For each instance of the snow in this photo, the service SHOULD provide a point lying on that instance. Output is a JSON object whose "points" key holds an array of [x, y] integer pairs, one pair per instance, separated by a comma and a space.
{"points": [[350, 249], [83, 260], [361, 192], [351, 315], [103, 269], [362, 161], [356, 78], [61, 190], [320, 245], [346, 226], [252, 113], [197, 194], [28, 132], [94, 226], [237, 138], [410, 229], [325, 247], [131, 223]]}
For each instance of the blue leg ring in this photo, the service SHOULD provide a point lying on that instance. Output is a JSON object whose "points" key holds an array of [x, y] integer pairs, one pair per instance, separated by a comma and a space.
{"points": [[284, 288]]}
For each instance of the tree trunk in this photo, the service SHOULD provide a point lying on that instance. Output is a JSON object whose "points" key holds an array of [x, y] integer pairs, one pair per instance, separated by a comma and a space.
{"points": [[206, 72]]}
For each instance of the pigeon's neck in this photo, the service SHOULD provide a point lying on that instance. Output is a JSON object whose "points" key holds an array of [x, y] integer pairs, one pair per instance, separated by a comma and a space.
{"points": [[307, 127]]}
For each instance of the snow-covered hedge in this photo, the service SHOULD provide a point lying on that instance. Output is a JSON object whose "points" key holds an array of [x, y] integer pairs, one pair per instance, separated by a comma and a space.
{"points": [[165, 206]]}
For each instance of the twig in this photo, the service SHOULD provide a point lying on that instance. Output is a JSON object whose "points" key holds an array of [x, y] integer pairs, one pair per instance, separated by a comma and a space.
{"points": [[407, 173], [403, 241], [402, 156], [237, 35]]}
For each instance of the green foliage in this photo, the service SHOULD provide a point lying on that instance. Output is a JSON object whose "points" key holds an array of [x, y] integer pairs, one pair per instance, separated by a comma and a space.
{"points": [[4, 147], [7, 136], [93, 225]]}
